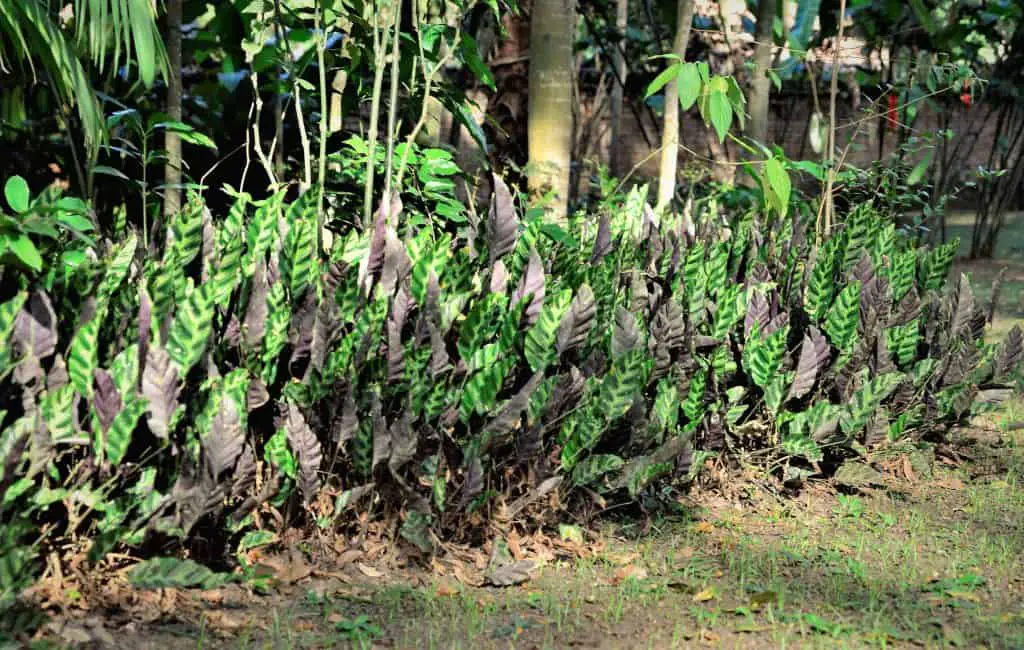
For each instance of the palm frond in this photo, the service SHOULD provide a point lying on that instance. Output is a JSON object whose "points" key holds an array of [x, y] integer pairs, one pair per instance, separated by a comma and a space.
{"points": [[29, 32], [128, 27]]}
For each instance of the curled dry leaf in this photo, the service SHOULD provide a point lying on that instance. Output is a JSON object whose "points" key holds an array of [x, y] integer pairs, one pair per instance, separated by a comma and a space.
{"points": [[629, 572], [510, 574]]}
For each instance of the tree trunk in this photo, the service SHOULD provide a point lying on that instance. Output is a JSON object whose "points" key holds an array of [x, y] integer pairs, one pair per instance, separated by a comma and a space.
{"points": [[670, 134], [760, 86], [616, 161], [172, 141], [550, 129]]}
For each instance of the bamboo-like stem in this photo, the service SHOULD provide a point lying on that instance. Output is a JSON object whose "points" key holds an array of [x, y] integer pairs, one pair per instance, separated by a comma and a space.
{"points": [[396, 61], [827, 202], [321, 170], [371, 136]]}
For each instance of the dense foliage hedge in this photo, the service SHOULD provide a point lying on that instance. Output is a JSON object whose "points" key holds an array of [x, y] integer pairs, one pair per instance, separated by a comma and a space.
{"points": [[156, 393]]}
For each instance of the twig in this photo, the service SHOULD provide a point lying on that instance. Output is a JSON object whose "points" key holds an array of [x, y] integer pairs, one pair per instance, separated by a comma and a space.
{"points": [[833, 93]]}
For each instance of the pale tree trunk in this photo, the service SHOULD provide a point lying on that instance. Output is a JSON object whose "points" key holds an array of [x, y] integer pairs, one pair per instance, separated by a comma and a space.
{"points": [[670, 134], [760, 85], [172, 141], [550, 129], [615, 154]]}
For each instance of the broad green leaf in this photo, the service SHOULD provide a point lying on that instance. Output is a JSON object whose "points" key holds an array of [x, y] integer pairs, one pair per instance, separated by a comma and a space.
{"points": [[666, 75], [17, 194], [26, 251], [689, 85], [778, 181], [190, 331], [720, 111], [917, 173]]}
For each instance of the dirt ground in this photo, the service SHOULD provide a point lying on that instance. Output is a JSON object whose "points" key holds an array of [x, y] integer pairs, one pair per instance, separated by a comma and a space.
{"points": [[934, 558]]}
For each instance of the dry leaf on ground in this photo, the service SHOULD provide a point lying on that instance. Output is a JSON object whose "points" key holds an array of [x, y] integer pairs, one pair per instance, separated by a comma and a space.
{"points": [[369, 571], [513, 573], [630, 571]]}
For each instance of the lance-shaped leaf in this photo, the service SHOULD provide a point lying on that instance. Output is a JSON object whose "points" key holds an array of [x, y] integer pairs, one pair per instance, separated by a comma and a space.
{"points": [[963, 307], [1010, 354], [510, 414], [403, 443], [396, 353], [83, 355], [307, 450], [256, 394], [160, 388], [439, 359], [191, 329], [326, 330], [531, 285], [145, 319], [997, 288], [576, 324], [106, 402], [243, 478], [499, 278], [397, 264], [35, 327], [381, 435], [502, 222], [841, 322], [256, 307], [119, 435], [603, 240], [473, 484], [301, 329], [626, 335], [669, 326], [814, 353], [9, 312], [540, 348], [225, 439], [57, 377], [347, 423], [372, 265], [757, 314]]}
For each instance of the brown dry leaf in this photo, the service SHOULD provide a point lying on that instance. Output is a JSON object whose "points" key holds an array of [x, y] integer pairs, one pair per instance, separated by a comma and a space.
{"points": [[369, 571], [349, 556], [510, 574], [437, 566], [466, 577], [446, 589], [630, 571], [705, 527], [621, 559], [514, 547], [908, 470], [704, 595], [225, 620], [950, 484]]}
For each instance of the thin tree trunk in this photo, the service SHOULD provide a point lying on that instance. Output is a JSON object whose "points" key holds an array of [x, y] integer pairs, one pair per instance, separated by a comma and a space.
{"points": [[615, 153], [172, 141], [550, 129], [670, 133], [760, 86]]}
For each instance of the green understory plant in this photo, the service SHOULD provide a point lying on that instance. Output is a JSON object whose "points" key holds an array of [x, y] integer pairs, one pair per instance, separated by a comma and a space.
{"points": [[457, 375]]}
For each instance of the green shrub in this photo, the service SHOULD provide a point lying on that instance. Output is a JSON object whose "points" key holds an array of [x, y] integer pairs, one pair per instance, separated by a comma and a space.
{"points": [[179, 388]]}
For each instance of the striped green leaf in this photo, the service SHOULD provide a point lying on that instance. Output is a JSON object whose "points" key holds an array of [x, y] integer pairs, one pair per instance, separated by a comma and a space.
{"points": [[190, 331]]}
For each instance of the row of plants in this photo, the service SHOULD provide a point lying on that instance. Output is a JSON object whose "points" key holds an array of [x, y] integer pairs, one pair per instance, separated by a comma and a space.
{"points": [[187, 389]]}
